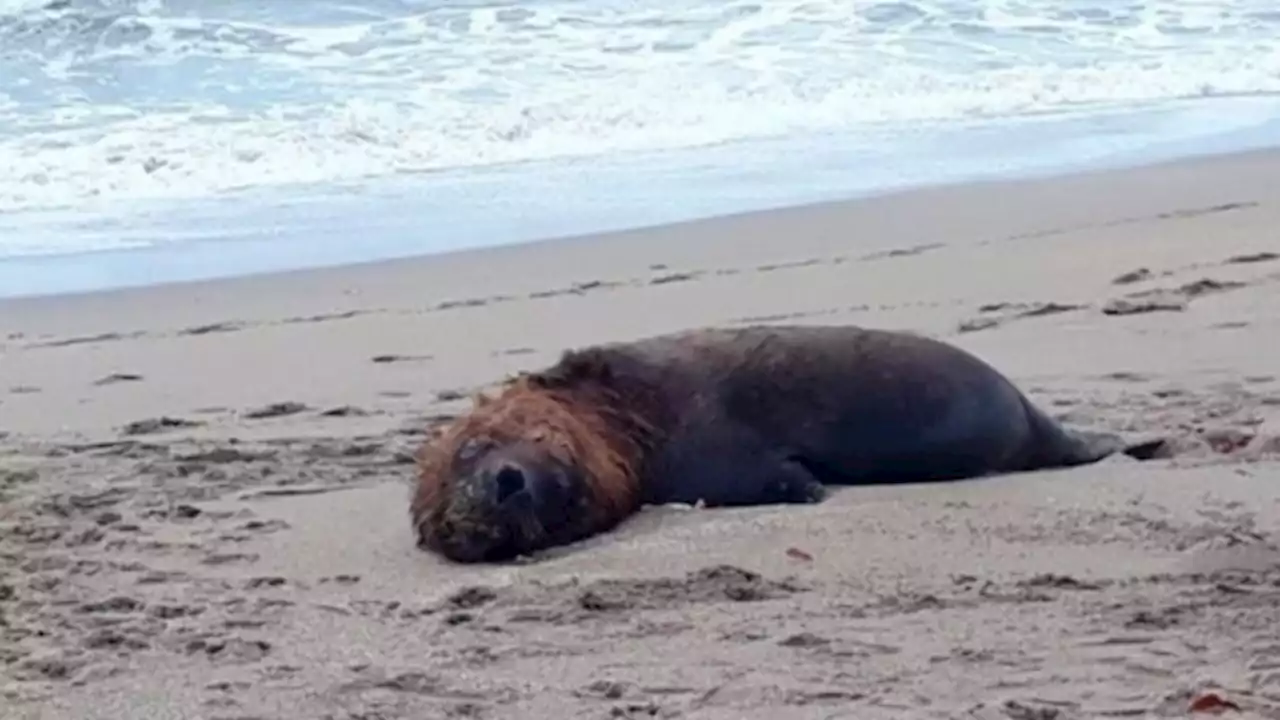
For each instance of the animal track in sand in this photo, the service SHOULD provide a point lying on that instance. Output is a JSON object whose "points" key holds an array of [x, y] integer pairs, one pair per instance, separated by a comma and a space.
{"points": [[1133, 276], [903, 252], [211, 328], [151, 426], [118, 377], [1175, 299], [1251, 258], [1139, 219], [513, 351], [275, 410], [666, 276], [388, 359], [793, 265], [1013, 311], [784, 317], [344, 411], [327, 317], [89, 339]]}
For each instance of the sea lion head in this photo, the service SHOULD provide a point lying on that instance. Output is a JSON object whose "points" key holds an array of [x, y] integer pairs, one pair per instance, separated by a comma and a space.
{"points": [[529, 469], [508, 499]]}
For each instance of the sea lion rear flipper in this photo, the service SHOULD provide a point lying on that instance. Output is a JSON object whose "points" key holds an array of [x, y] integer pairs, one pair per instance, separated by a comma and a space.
{"points": [[1057, 446], [1092, 445], [1149, 449]]}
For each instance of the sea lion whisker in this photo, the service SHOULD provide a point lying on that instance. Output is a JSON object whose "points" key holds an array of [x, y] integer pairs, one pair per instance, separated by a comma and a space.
{"points": [[530, 528]]}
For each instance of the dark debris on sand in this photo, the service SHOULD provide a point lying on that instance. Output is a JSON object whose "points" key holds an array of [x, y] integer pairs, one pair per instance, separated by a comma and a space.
{"points": [[275, 410], [1165, 302], [159, 424]]}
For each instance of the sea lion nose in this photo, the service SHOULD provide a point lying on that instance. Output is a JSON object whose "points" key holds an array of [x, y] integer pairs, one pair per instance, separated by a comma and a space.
{"points": [[510, 480]]}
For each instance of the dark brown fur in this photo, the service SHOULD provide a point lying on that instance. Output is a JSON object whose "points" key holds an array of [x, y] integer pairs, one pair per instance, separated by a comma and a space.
{"points": [[727, 417]]}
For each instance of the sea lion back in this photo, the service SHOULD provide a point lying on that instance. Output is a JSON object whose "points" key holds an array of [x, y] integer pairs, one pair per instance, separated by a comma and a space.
{"points": [[852, 404]]}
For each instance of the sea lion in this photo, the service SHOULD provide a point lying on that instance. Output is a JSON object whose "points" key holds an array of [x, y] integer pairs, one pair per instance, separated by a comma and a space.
{"points": [[726, 417]]}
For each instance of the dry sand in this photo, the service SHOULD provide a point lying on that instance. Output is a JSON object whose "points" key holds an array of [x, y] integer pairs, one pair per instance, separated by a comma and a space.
{"points": [[204, 486]]}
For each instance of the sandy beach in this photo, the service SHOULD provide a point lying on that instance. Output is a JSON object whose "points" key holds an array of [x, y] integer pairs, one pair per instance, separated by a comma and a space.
{"points": [[203, 487]]}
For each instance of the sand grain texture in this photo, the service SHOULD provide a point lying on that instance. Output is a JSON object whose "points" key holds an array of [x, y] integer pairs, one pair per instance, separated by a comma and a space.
{"points": [[203, 487]]}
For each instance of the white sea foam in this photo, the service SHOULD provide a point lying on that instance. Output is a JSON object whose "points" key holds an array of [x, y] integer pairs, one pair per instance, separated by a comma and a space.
{"points": [[103, 101]]}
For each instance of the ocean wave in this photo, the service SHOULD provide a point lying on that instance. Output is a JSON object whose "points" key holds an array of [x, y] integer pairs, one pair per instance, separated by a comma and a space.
{"points": [[110, 100]]}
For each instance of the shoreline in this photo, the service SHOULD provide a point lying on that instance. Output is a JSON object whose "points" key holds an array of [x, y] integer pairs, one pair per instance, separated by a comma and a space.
{"points": [[203, 485], [428, 216]]}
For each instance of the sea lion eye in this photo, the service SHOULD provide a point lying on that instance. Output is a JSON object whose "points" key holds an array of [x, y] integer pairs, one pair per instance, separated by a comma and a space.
{"points": [[469, 448]]}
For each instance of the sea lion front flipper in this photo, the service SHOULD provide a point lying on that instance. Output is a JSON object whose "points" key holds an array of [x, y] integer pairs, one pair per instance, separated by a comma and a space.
{"points": [[794, 483], [731, 466]]}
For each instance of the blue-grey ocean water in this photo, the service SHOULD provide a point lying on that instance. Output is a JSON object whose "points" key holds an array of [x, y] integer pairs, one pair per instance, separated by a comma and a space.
{"points": [[147, 140]]}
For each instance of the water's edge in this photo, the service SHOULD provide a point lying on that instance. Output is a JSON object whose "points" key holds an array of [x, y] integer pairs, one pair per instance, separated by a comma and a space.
{"points": [[431, 214]]}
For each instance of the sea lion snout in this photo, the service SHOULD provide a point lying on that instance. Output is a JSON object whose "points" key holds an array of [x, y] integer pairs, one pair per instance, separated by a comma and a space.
{"points": [[509, 482], [515, 481], [514, 498]]}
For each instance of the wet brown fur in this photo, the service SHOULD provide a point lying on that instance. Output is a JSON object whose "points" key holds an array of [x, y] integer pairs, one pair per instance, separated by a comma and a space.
{"points": [[581, 422]]}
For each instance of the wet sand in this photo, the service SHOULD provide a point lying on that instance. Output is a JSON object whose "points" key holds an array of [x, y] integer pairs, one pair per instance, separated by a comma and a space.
{"points": [[203, 487]]}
